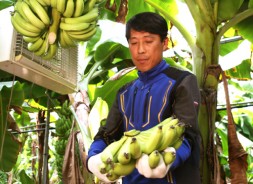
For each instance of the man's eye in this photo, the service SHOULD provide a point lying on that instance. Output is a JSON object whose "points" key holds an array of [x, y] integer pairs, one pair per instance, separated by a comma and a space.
{"points": [[133, 43], [149, 41]]}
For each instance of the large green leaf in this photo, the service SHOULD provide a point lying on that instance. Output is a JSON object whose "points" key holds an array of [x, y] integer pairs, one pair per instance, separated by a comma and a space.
{"points": [[229, 47], [109, 89], [245, 28], [9, 146], [105, 51], [11, 149], [227, 9], [241, 71], [6, 3], [244, 122], [24, 178], [138, 6]]}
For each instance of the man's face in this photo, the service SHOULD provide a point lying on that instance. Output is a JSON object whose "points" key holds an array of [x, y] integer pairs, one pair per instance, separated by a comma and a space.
{"points": [[146, 49]]}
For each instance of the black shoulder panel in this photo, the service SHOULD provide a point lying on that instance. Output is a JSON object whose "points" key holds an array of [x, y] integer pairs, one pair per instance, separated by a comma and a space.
{"points": [[177, 75]]}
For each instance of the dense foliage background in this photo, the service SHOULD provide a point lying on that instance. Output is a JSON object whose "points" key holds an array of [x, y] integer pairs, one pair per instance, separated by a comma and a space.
{"points": [[210, 35]]}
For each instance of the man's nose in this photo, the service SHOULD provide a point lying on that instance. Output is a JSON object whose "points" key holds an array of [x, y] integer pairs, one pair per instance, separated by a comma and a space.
{"points": [[141, 48]]}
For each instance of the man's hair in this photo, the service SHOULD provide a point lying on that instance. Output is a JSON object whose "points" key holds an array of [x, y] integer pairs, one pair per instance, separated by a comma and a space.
{"points": [[149, 22]]}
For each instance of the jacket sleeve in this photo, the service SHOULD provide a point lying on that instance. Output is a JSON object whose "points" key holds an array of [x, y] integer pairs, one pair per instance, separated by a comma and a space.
{"points": [[185, 107]]}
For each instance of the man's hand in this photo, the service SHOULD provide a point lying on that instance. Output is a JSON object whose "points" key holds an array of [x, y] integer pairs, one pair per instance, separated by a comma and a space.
{"points": [[144, 169], [94, 163]]}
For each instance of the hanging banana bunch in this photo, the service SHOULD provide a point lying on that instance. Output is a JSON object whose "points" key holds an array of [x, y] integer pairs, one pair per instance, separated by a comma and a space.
{"points": [[63, 127], [47, 24]]}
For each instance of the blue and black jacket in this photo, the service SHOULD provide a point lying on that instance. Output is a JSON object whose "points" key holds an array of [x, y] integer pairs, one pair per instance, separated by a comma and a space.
{"points": [[154, 96]]}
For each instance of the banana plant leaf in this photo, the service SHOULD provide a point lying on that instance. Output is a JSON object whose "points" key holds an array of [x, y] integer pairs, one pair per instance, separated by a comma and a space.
{"points": [[109, 89], [241, 72], [24, 178], [9, 145], [6, 3]]}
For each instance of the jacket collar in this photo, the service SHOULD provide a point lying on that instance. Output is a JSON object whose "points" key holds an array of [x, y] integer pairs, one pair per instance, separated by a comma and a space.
{"points": [[148, 75]]}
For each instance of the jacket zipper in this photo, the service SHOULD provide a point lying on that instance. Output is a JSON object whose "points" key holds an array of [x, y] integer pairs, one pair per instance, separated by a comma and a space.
{"points": [[146, 105], [132, 117]]}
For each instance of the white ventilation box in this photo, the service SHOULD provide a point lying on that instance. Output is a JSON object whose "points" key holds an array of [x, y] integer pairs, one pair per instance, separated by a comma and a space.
{"points": [[58, 74]]}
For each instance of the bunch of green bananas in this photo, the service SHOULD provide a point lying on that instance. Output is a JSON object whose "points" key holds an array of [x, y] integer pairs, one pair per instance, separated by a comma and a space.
{"points": [[63, 127], [119, 157], [47, 24], [64, 122]]}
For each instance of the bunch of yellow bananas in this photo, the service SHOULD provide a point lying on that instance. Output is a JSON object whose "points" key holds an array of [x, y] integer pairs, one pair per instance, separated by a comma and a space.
{"points": [[119, 157], [48, 24]]}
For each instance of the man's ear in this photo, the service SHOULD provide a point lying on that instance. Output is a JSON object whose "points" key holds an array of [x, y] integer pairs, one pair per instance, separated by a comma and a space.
{"points": [[165, 44]]}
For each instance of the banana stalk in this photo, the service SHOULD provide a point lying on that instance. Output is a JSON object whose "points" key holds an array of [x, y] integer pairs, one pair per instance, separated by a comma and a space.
{"points": [[53, 29]]}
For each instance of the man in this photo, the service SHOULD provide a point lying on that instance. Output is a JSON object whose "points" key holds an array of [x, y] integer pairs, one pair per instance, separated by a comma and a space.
{"points": [[159, 92]]}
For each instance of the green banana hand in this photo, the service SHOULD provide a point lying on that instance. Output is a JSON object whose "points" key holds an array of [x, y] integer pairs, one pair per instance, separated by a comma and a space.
{"points": [[21, 29], [31, 16]]}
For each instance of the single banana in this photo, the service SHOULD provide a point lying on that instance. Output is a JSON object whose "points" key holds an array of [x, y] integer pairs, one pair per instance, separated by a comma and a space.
{"points": [[123, 169], [88, 17], [79, 8], [69, 41], [169, 155], [61, 6], [34, 46], [25, 24], [74, 27], [32, 17], [52, 50], [169, 137], [112, 176], [62, 42], [178, 143], [89, 5], [84, 37], [104, 168], [154, 159], [42, 3], [180, 128], [54, 3], [132, 133], [18, 8], [135, 148], [151, 143], [110, 151], [46, 2], [44, 47], [124, 155], [40, 11], [82, 32], [21, 29], [28, 39], [70, 8]]}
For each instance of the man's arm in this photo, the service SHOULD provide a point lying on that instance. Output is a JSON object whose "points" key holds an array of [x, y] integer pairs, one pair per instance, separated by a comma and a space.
{"points": [[185, 107]]}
